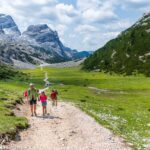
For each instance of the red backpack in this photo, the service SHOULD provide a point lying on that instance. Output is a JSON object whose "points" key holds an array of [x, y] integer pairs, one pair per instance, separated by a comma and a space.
{"points": [[26, 93]]}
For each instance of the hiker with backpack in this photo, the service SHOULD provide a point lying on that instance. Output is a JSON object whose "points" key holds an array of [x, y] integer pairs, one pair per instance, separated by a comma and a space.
{"points": [[25, 94], [53, 96], [32, 98]]}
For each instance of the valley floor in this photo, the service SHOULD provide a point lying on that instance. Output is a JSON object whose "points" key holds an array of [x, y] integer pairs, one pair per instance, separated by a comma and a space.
{"points": [[65, 128]]}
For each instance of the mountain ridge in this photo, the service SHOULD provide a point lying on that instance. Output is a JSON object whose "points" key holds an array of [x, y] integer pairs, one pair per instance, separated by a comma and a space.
{"points": [[37, 43], [127, 54]]}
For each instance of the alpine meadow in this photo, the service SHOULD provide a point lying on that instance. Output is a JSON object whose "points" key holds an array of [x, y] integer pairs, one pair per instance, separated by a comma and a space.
{"points": [[75, 75]]}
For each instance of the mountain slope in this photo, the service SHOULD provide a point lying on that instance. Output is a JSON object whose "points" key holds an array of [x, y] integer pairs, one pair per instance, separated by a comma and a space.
{"points": [[128, 53], [7, 72], [48, 39], [38, 44], [8, 26]]}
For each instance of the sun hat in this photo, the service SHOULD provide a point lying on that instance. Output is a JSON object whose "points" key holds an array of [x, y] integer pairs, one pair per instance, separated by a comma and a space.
{"points": [[31, 84]]}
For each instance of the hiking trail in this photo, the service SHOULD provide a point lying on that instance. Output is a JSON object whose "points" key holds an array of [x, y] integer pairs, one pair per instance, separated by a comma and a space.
{"points": [[66, 128]]}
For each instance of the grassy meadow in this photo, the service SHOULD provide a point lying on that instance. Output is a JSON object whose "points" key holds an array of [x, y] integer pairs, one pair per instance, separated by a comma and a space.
{"points": [[120, 103], [10, 94]]}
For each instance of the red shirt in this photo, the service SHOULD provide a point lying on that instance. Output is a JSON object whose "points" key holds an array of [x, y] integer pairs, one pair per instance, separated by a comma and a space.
{"points": [[53, 95], [43, 98]]}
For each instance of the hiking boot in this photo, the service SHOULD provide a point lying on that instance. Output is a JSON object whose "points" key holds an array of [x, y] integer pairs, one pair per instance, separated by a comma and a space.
{"points": [[35, 113]]}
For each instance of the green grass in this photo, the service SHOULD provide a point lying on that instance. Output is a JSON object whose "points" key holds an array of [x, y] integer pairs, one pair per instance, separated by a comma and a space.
{"points": [[113, 56], [124, 108], [10, 94]]}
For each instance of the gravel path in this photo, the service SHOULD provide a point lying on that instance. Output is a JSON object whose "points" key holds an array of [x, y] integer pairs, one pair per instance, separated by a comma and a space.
{"points": [[66, 128]]}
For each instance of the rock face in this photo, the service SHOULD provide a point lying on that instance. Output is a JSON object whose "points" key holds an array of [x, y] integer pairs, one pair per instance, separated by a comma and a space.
{"points": [[8, 26], [48, 39], [128, 53], [36, 45], [41, 33]]}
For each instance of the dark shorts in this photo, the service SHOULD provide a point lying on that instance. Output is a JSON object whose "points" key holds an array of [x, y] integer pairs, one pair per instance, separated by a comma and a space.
{"points": [[33, 102], [44, 103]]}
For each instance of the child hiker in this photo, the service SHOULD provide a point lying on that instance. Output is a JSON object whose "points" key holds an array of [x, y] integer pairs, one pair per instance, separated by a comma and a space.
{"points": [[43, 99], [53, 96], [25, 94]]}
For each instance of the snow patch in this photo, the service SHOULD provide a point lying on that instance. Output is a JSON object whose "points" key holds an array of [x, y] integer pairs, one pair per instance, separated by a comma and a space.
{"points": [[9, 31]]}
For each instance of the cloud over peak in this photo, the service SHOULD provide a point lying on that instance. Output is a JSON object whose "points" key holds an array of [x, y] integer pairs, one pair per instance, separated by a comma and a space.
{"points": [[82, 24]]}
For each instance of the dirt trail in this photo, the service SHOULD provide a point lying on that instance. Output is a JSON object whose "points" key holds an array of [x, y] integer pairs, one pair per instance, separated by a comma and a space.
{"points": [[66, 128]]}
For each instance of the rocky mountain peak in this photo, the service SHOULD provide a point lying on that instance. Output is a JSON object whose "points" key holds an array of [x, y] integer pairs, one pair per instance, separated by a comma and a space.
{"points": [[8, 25], [1, 32], [38, 44], [38, 28], [41, 33]]}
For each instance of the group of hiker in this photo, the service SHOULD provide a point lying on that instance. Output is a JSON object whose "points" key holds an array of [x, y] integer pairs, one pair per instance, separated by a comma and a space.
{"points": [[33, 95]]}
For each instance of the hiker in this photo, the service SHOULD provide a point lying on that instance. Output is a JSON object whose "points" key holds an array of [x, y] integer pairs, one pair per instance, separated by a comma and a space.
{"points": [[32, 98], [43, 99], [53, 96], [25, 94], [38, 92]]}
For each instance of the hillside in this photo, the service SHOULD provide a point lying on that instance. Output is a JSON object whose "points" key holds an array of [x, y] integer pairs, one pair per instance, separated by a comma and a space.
{"points": [[11, 89], [7, 72], [126, 54]]}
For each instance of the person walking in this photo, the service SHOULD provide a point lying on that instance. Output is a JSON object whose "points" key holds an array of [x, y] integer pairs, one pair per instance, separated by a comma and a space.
{"points": [[43, 99], [53, 96], [32, 98], [25, 94]]}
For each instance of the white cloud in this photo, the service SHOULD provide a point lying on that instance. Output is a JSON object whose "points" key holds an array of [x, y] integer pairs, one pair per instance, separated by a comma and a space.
{"points": [[95, 41], [87, 25], [61, 29], [85, 29], [62, 13], [86, 4], [92, 15], [29, 3], [64, 8], [138, 1], [42, 2], [96, 10], [118, 25]]}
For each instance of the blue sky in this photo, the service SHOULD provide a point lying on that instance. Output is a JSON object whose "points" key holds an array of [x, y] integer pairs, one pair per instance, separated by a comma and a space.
{"points": [[81, 24]]}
